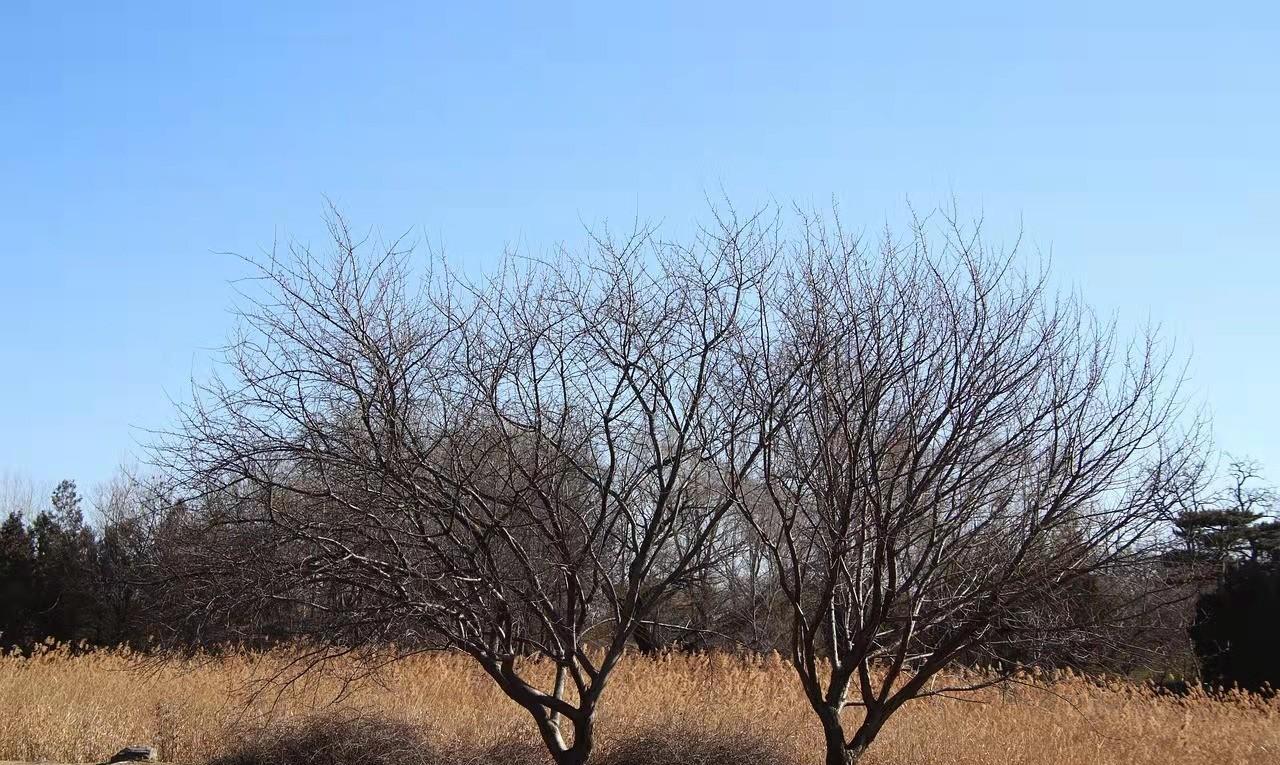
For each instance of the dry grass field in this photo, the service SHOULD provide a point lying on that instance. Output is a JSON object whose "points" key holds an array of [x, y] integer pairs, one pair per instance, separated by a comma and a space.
{"points": [[63, 707]]}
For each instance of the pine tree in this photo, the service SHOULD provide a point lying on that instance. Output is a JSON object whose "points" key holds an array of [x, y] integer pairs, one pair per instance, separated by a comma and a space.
{"points": [[1237, 623], [17, 580]]}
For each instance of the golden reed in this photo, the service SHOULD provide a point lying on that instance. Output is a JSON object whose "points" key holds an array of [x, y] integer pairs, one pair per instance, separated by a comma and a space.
{"points": [[58, 705]]}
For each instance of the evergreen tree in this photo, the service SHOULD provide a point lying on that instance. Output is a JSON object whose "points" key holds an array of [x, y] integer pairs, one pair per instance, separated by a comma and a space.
{"points": [[1236, 629], [66, 600], [1236, 632], [17, 580]]}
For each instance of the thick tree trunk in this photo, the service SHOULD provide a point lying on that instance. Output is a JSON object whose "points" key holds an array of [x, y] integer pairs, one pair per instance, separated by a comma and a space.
{"points": [[573, 755], [580, 750], [842, 751], [552, 729], [833, 735], [836, 752]]}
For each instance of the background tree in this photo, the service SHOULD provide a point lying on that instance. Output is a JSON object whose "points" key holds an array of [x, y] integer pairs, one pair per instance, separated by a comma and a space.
{"points": [[17, 582], [74, 580], [1231, 547], [65, 560], [1236, 628], [1225, 526]]}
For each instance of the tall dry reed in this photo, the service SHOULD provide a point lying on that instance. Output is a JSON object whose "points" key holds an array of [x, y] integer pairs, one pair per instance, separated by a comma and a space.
{"points": [[61, 706]]}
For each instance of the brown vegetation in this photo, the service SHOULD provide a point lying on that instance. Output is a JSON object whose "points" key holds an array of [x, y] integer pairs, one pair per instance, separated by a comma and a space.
{"points": [[60, 706]]}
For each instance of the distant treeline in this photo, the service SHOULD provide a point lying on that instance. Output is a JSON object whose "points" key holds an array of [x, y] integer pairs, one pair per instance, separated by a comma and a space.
{"points": [[102, 583], [64, 579]]}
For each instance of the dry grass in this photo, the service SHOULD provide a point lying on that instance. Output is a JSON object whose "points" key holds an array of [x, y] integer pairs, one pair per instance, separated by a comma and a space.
{"points": [[59, 706]]}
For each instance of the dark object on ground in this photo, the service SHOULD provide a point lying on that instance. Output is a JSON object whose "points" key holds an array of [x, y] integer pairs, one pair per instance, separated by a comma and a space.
{"points": [[135, 753]]}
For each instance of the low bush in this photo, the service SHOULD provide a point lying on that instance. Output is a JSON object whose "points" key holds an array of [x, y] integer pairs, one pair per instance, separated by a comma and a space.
{"points": [[365, 739], [680, 744], [346, 738]]}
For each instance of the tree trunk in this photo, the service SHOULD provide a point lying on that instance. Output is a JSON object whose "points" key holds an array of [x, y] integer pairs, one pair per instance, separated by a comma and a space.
{"points": [[842, 751], [580, 750], [833, 735], [836, 752], [572, 756], [863, 737]]}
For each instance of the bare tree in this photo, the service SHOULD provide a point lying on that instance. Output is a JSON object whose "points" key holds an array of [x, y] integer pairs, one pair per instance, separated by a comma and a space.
{"points": [[522, 467], [914, 456], [22, 496], [971, 455]]}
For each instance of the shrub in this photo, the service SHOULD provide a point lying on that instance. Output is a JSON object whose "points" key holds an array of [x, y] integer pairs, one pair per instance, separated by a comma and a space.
{"points": [[680, 744], [364, 739]]}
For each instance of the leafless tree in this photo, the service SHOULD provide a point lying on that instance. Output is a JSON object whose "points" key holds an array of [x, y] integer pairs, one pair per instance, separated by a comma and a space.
{"points": [[971, 456], [524, 466], [21, 495], [914, 456]]}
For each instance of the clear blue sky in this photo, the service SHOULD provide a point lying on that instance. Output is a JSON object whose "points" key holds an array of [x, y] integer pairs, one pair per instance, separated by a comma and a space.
{"points": [[1137, 140]]}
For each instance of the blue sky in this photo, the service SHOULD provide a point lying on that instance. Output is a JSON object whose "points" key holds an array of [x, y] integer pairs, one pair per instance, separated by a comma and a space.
{"points": [[1135, 141]]}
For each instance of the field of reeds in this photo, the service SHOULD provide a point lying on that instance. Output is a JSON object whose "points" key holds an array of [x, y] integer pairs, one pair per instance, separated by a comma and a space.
{"points": [[58, 705]]}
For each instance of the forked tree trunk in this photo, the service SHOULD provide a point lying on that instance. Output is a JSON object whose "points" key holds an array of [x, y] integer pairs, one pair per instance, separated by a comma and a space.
{"points": [[563, 752], [574, 755], [842, 751]]}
